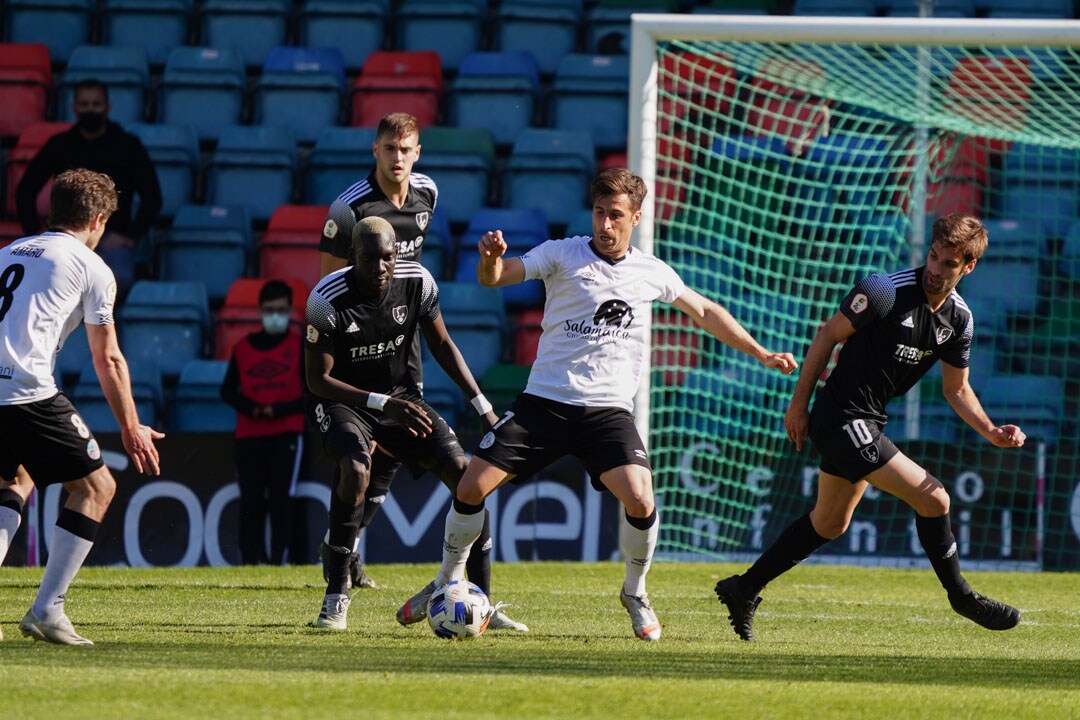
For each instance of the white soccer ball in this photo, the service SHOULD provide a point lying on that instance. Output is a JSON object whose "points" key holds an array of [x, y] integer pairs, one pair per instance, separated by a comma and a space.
{"points": [[459, 610]]}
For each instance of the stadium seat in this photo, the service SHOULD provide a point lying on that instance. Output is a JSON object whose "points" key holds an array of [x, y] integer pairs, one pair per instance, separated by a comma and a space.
{"points": [[438, 244], [1014, 238], [676, 346], [155, 25], [355, 27], [164, 322], [1034, 402], [910, 8], [1042, 182], [549, 169], [1070, 252], [253, 167], [544, 28], [717, 402], [395, 81], [523, 228], [198, 406], [991, 91], [1040, 9], [25, 85], [849, 8], [203, 87], [475, 317], [451, 28], [240, 315], [442, 394], [590, 93], [1001, 288], [253, 27], [174, 150], [497, 91], [527, 332], [341, 157], [751, 185], [461, 162], [93, 406], [62, 25], [794, 116], [301, 89], [74, 357], [607, 24], [208, 244], [689, 80], [580, 224], [10, 230], [290, 247], [853, 166], [30, 141], [520, 296], [502, 383]]}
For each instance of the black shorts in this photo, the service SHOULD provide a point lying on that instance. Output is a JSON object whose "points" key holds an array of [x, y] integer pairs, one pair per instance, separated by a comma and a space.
{"points": [[536, 432], [345, 429], [49, 439], [850, 448]]}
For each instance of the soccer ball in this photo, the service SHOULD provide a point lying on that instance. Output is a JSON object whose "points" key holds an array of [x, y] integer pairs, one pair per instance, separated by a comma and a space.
{"points": [[459, 610]]}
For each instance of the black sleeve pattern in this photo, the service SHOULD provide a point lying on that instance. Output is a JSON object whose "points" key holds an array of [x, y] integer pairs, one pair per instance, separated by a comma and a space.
{"points": [[958, 352], [429, 297], [871, 299], [337, 231], [322, 322]]}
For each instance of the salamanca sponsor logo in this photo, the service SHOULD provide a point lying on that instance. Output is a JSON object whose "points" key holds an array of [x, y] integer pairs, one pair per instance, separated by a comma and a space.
{"points": [[582, 329]]}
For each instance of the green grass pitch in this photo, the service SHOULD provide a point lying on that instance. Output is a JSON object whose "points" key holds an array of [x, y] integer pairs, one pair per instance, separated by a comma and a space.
{"points": [[832, 642]]}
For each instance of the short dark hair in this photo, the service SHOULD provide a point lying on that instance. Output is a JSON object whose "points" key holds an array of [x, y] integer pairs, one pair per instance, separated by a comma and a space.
{"points": [[275, 290], [92, 84], [78, 196], [962, 232], [397, 125], [619, 181]]}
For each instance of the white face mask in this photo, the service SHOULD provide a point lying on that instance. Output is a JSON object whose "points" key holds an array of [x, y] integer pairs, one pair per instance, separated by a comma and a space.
{"points": [[275, 323]]}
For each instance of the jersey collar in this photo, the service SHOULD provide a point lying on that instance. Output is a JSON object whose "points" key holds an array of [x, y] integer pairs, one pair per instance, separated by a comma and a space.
{"points": [[605, 258]]}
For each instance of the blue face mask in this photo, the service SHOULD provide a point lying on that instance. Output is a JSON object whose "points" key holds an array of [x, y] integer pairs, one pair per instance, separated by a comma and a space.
{"points": [[275, 323]]}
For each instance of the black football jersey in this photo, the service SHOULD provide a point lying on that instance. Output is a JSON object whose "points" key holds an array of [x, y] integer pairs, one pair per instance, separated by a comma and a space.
{"points": [[366, 199], [897, 339], [371, 340]]}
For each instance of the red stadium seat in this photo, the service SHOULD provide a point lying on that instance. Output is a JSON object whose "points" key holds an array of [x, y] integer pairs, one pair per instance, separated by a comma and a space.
{"points": [[689, 80], [396, 81], [676, 347], [25, 83], [290, 247], [954, 196], [527, 337], [32, 138], [10, 231], [993, 91], [240, 313], [779, 110]]}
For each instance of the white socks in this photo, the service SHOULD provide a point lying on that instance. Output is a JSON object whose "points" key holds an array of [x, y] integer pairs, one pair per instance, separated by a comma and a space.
{"points": [[66, 555], [637, 548], [9, 525], [461, 532]]}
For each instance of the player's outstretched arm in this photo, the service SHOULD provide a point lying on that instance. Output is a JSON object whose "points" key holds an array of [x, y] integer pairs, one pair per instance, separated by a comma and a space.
{"points": [[317, 367], [493, 270], [797, 416], [718, 322], [958, 392], [448, 356], [112, 372]]}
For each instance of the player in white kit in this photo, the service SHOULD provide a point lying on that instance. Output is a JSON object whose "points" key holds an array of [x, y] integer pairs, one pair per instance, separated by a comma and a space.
{"points": [[49, 283], [579, 397]]}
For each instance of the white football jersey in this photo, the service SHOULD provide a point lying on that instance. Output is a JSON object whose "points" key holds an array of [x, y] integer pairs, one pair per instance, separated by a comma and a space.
{"points": [[592, 347], [48, 284]]}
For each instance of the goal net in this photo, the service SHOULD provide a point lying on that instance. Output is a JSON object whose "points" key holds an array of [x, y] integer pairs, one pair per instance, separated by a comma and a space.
{"points": [[790, 157]]}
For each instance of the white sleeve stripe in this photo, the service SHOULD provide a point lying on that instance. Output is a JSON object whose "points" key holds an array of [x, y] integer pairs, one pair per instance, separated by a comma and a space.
{"points": [[356, 192]]}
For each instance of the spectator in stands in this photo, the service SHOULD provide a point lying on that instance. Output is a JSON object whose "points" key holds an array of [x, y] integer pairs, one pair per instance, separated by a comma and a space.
{"points": [[264, 383], [98, 144]]}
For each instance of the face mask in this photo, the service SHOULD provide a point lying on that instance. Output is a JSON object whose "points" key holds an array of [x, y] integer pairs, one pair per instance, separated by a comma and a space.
{"points": [[91, 121], [275, 323]]}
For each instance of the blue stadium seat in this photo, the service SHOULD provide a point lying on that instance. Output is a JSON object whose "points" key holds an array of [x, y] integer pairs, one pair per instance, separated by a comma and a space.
{"points": [[301, 89], [146, 391], [253, 167], [607, 25], [198, 406], [441, 392], [164, 323], [174, 150], [73, 357], [341, 157], [203, 87], [1044, 9], [580, 224], [62, 25], [497, 91], [910, 8], [1042, 183], [461, 161], [1070, 253], [1016, 238], [590, 93], [354, 27], [522, 296], [883, 242], [1034, 402], [124, 70], [1003, 288], [523, 228], [549, 169], [476, 319], [438, 243], [254, 27], [849, 8], [546, 29], [156, 25], [452, 28], [210, 244]]}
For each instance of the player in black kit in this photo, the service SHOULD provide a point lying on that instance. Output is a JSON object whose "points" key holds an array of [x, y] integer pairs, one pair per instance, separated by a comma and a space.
{"points": [[895, 327], [406, 200], [361, 323]]}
